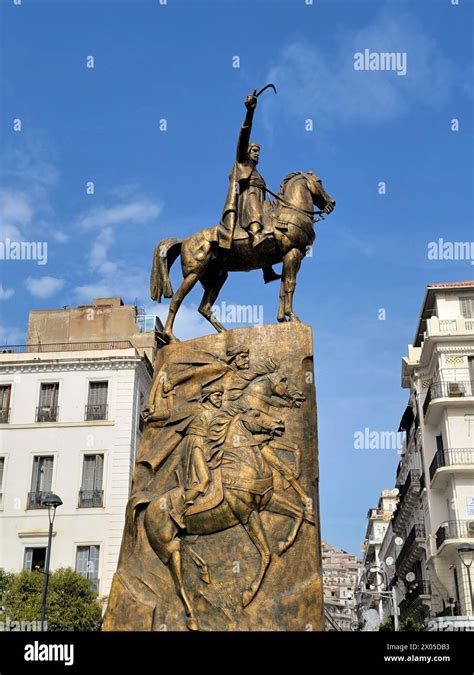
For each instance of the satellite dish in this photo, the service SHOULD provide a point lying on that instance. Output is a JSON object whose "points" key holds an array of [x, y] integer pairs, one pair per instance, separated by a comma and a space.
{"points": [[398, 541], [389, 561], [395, 492], [371, 587], [410, 577]]}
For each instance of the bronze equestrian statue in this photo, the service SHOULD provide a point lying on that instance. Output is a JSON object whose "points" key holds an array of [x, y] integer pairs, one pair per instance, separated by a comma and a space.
{"points": [[253, 234]]}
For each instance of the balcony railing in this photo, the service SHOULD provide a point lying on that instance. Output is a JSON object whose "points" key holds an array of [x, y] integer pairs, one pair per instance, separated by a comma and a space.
{"points": [[455, 529], [418, 588], [4, 415], [96, 411], [412, 480], [65, 347], [89, 499], [47, 413], [451, 457], [416, 532], [460, 324], [35, 499], [453, 389]]}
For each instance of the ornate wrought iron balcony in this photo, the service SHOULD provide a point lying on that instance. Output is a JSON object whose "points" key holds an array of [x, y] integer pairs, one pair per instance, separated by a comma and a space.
{"points": [[450, 389], [35, 499], [451, 457], [89, 499], [47, 413], [455, 529], [96, 411]]}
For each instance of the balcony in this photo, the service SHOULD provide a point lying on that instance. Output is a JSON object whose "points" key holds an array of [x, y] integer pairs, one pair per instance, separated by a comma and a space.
{"points": [[90, 499], [447, 461], [4, 415], [444, 327], [440, 393], [97, 411], [453, 530], [408, 497], [47, 413], [35, 499], [415, 601], [410, 551]]}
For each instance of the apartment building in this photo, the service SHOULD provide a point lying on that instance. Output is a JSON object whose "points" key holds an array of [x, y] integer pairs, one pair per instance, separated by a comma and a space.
{"points": [[434, 517], [70, 402], [373, 576], [340, 578]]}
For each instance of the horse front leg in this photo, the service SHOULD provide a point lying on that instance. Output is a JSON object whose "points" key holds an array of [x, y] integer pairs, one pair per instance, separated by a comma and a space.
{"points": [[177, 574], [291, 265], [254, 529], [279, 504], [281, 304]]}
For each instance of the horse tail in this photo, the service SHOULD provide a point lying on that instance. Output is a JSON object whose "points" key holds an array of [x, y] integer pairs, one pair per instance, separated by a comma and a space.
{"points": [[166, 252]]}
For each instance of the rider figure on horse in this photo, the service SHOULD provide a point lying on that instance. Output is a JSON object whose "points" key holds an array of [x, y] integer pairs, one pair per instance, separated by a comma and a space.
{"points": [[246, 193], [201, 454]]}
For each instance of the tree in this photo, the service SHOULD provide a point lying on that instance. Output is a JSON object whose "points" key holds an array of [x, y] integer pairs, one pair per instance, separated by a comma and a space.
{"points": [[410, 624], [71, 604], [387, 625]]}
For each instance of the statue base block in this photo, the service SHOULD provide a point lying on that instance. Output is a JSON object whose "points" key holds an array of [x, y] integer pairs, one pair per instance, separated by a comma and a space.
{"points": [[255, 562]]}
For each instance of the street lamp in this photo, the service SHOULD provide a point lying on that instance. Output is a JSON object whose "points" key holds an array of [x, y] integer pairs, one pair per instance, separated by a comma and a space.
{"points": [[52, 502], [465, 552], [392, 595]]}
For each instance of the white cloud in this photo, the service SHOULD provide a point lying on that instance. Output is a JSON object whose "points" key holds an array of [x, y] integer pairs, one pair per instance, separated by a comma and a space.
{"points": [[136, 212], [6, 293], [43, 287], [323, 85], [98, 254]]}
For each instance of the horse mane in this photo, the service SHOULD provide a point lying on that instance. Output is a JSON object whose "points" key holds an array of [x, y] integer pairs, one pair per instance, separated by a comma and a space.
{"points": [[288, 178]]}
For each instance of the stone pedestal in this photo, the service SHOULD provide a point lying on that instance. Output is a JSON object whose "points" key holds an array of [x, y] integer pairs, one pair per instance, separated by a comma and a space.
{"points": [[219, 567]]}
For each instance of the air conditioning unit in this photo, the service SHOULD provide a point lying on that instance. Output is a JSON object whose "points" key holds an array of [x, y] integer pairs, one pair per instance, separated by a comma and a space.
{"points": [[456, 389]]}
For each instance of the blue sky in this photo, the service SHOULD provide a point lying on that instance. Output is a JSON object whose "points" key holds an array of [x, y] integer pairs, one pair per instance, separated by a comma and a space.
{"points": [[175, 61]]}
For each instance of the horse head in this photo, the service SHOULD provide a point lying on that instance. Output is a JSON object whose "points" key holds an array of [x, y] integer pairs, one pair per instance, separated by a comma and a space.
{"points": [[319, 196], [258, 422]]}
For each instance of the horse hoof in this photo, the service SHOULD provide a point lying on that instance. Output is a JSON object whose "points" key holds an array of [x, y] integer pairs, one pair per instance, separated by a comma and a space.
{"points": [[206, 577], [192, 624], [247, 597]]}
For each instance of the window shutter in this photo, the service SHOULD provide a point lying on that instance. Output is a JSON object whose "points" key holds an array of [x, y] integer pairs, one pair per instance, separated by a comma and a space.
{"points": [[94, 562], [82, 558], [35, 475], [45, 478], [88, 472], [28, 559], [49, 394], [467, 307], [99, 472], [5, 392], [98, 393]]}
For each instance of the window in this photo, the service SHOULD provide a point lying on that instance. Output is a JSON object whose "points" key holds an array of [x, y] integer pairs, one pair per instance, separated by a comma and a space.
{"points": [[2, 469], [91, 492], [41, 481], [5, 395], [34, 559], [87, 564], [47, 410], [96, 408], [467, 306]]}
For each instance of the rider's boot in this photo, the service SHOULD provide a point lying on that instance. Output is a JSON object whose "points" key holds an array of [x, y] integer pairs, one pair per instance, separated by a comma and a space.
{"points": [[256, 233]]}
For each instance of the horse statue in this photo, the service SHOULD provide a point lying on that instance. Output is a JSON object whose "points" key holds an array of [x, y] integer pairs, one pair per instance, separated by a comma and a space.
{"points": [[289, 234]]}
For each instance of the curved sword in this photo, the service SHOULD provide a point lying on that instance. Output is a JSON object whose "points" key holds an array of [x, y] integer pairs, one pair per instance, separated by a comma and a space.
{"points": [[267, 86]]}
